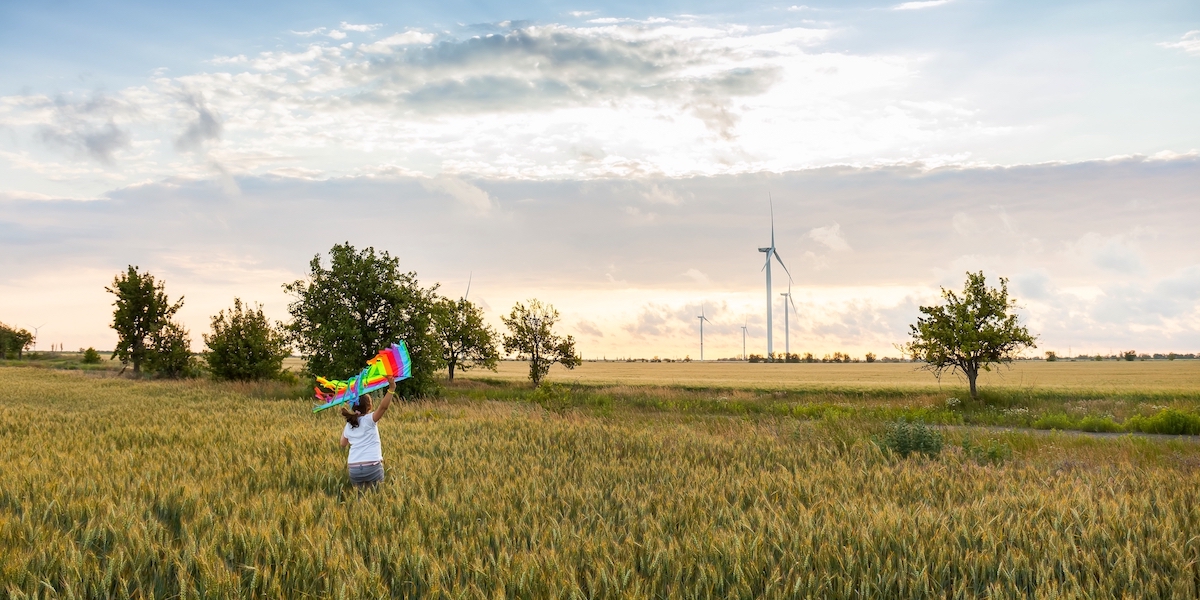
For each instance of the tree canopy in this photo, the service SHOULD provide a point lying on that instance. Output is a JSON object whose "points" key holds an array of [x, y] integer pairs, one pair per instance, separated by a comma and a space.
{"points": [[970, 332], [466, 341], [141, 314], [14, 341], [531, 336], [343, 315], [245, 345]]}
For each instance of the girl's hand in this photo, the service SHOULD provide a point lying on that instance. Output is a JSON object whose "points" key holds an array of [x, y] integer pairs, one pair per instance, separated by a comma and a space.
{"points": [[391, 383]]}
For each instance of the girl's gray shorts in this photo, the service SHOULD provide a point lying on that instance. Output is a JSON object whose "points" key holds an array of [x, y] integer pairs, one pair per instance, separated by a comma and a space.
{"points": [[365, 474]]}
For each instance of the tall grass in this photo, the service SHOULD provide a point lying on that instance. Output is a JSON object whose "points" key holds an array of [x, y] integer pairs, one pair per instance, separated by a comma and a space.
{"points": [[111, 488]]}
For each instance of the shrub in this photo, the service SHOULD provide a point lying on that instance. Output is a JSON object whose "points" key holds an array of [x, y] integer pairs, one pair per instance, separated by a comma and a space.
{"points": [[905, 438], [1099, 424], [170, 352], [1168, 421], [91, 357], [245, 345], [552, 397], [995, 453], [1054, 421]]}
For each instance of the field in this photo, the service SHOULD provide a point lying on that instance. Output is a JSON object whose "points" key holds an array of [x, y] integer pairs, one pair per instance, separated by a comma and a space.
{"points": [[119, 488], [1103, 377]]}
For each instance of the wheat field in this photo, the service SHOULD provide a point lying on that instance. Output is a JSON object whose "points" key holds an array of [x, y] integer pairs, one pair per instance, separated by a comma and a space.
{"points": [[1114, 376], [112, 488]]}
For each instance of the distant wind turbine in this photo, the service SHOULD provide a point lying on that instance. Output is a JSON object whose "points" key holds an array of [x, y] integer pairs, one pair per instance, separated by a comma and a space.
{"points": [[787, 330], [702, 320], [744, 341], [772, 252], [35, 335]]}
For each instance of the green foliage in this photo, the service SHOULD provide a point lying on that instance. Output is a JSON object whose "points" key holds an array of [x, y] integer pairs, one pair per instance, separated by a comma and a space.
{"points": [[1129, 355], [1168, 421], [245, 345], [1097, 424], [970, 332], [905, 438], [91, 357], [870, 357], [1058, 421], [342, 316], [466, 341], [994, 453], [552, 397], [142, 313], [14, 341], [170, 352], [531, 336], [1051, 356]]}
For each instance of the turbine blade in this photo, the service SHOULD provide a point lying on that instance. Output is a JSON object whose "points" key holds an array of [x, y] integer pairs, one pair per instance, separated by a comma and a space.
{"points": [[785, 269], [772, 200], [468, 293]]}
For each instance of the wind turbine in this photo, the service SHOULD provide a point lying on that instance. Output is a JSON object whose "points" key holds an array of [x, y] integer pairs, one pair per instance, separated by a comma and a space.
{"points": [[787, 330], [771, 252], [744, 341], [35, 335], [702, 320]]}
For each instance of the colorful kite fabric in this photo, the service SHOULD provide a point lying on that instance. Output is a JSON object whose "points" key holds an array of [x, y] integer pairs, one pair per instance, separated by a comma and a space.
{"points": [[392, 361]]}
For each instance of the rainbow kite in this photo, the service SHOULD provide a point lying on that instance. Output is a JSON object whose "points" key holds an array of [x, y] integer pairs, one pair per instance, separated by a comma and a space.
{"points": [[392, 361]]}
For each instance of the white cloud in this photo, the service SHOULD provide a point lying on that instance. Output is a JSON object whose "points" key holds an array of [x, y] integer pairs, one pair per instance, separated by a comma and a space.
{"points": [[920, 4], [1190, 43], [360, 28], [389, 44], [830, 236], [697, 276], [466, 194]]}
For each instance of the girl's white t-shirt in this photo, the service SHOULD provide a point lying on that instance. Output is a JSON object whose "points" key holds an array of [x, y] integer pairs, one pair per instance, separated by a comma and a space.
{"points": [[364, 440]]}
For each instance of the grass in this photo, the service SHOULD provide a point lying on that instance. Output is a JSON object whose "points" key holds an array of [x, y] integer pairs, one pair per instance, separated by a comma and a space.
{"points": [[115, 488]]}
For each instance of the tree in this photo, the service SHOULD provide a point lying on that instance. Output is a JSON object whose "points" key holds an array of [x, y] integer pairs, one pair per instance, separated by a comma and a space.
{"points": [[532, 336], [13, 340], [466, 341], [170, 352], [343, 315], [245, 345], [969, 333], [142, 310]]}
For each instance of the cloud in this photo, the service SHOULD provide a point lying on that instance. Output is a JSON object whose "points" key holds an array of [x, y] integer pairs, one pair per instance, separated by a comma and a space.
{"points": [[1117, 253], [466, 194], [360, 28], [391, 43], [88, 126], [206, 127], [1190, 43], [697, 276], [918, 5], [830, 236]]}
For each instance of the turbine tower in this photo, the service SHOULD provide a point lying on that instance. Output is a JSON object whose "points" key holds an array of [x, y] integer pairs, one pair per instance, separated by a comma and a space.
{"points": [[702, 320], [771, 252], [744, 341], [787, 330]]}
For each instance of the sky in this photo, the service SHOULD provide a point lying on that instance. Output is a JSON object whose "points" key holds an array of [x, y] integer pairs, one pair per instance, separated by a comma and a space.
{"points": [[622, 161]]}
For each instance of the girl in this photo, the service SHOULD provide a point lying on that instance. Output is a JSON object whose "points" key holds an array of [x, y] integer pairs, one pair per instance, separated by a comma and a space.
{"points": [[361, 434]]}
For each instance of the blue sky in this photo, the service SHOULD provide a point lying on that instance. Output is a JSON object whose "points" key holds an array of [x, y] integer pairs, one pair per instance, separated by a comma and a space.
{"points": [[628, 146]]}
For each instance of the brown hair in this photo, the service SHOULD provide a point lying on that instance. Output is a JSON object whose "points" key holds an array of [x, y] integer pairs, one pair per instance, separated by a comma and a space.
{"points": [[362, 408]]}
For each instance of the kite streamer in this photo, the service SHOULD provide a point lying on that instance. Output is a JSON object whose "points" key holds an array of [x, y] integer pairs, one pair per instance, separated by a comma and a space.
{"points": [[393, 361]]}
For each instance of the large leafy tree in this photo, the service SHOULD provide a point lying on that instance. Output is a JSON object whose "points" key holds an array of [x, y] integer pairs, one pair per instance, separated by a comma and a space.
{"points": [[170, 352], [970, 332], [531, 336], [466, 341], [344, 314], [14, 341], [245, 345], [142, 311]]}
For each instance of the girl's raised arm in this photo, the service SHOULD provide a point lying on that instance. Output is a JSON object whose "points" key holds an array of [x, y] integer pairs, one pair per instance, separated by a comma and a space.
{"points": [[387, 400]]}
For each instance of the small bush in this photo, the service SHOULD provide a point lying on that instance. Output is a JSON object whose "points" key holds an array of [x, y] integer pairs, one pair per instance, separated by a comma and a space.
{"points": [[552, 397], [905, 438], [1099, 424], [1168, 421], [1054, 421], [91, 357], [995, 453]]}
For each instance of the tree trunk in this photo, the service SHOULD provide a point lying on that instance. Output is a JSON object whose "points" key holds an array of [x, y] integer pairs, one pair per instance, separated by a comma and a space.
{"points": [[972, 374], [451, 365]]}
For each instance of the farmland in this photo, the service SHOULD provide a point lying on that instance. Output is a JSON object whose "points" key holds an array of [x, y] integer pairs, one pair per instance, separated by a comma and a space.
{"points": [[119, 488]]}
